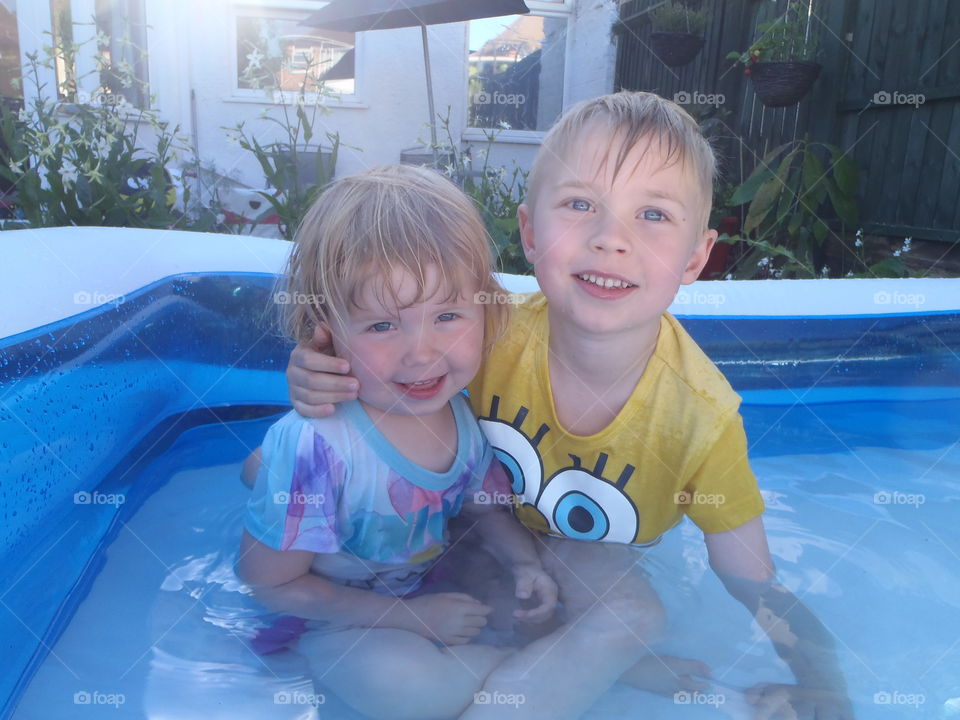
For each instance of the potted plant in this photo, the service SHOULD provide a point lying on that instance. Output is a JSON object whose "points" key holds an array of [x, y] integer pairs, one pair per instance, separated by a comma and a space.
{"points": [[677, 32], [790, 194], [781, 62]]}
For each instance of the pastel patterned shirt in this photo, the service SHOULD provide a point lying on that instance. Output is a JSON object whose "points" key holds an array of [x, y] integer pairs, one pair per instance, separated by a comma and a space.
{"points": [[336, 487]]}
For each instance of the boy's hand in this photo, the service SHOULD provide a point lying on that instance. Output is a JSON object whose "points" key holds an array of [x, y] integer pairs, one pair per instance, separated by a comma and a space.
{"points": [[534, 582], [798, 702], [452, 618], [316, 379]]}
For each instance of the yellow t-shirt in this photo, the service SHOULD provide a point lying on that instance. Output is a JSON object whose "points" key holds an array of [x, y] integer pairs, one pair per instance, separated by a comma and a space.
{"points": [[676, 447]]}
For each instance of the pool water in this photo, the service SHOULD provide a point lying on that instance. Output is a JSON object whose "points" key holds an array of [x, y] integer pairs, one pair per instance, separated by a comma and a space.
{"points": [[861, 490]]}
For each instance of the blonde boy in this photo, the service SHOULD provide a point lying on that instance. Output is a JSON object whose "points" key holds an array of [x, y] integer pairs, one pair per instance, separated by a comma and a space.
{"points": [[612, 422]]}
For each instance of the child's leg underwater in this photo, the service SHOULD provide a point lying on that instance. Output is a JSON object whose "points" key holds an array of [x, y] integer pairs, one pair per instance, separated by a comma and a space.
{"points": [[396, 674], [613, 617]]}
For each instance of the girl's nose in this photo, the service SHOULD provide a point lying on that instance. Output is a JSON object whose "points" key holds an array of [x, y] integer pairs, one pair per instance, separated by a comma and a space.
{"points": [[422, 349]]}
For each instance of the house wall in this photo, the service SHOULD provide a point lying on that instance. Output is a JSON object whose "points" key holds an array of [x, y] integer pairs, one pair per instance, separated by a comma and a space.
{"points": [[192, 74]]}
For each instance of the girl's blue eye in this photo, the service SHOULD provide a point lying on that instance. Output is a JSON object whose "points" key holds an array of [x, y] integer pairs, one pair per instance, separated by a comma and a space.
{"points": [[447, 317], [381, 326], [581, 205], [653, 215]]}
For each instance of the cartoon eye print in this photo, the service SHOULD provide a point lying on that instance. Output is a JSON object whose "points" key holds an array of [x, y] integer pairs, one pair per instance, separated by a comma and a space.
{"points": [[582, 505], [517, 453], [575, 502]]}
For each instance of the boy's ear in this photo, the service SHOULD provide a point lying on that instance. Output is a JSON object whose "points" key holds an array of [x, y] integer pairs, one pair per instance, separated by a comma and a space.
{"points": [[701, 253], [525, 218]]}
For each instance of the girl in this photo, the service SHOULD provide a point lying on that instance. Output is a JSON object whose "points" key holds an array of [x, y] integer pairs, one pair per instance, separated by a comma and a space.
{"points": [[350, 512]]}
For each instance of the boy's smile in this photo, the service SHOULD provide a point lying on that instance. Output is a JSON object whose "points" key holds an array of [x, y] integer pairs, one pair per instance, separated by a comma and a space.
{"points": [[611, 249]]}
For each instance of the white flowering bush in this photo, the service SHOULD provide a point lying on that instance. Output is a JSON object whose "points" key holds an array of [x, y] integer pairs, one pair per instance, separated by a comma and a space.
{"points": [[85, 160]]}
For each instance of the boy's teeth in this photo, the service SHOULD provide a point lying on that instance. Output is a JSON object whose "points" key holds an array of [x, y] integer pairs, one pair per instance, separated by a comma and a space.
{"points": [[605, 282]]}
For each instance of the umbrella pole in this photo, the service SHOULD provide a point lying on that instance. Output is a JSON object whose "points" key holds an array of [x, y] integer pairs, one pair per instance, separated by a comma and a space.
{"points": [[433, 114]]}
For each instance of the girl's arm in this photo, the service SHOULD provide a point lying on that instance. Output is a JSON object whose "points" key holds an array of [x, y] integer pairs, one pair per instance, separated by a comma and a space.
{"points": [[508, 540], [282, 581]]}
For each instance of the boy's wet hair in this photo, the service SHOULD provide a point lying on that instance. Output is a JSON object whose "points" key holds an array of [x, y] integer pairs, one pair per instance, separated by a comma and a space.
{"points": [[365, 226], [629, 118]]}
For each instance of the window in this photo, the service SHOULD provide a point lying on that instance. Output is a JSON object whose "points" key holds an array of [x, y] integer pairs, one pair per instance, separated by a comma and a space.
{"points": [[516, 71], [275, 53], [9, 51], [113, 43]]}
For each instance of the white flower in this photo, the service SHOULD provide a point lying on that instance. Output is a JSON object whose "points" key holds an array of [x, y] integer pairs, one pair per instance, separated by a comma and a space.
{"points": [[849, 273], [255, 59], [729, 276], [896, 253], [906, 244], [858, 242], [503, 125], [68, 173], [763, 262]]}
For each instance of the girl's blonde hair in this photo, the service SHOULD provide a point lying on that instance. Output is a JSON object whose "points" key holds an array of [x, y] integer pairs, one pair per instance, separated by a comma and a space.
{"points": [[365, 226]]}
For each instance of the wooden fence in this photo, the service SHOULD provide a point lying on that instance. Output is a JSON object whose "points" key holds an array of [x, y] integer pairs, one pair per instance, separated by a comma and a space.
{"points": [[889, 94]]}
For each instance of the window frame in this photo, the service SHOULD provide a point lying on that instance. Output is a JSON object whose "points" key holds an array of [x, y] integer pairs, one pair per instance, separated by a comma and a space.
{"points": [[284, 10], [560, 9]]}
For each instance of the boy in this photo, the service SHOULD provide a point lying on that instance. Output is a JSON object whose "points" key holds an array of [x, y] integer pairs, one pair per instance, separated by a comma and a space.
{"points": [[613, 423]]}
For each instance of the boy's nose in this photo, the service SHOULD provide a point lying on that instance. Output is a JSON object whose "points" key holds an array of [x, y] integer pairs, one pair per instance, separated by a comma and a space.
{"points": [[611, 236]]}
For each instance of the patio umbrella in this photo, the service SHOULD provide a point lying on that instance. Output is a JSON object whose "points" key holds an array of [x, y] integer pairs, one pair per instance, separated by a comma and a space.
{"points": [[364, 15]]}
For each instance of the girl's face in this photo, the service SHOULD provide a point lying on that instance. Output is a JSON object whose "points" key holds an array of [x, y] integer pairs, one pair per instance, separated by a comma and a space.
{"points": [[412, 360]]}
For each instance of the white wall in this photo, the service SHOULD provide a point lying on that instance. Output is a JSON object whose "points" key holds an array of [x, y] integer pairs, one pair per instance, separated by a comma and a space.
{"points": [[192, 73]]}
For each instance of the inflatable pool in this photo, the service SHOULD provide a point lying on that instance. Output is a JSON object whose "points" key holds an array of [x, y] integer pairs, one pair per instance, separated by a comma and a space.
{"points": [[138, 368]]}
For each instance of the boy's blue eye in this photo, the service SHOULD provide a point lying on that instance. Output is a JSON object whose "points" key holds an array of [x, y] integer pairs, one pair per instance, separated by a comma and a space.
{"points": [[447, 316], [381, 326], [653, 215], [581, 205]]}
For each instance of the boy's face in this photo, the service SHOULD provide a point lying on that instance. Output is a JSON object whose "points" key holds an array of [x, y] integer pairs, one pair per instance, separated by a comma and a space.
{"points": [[611, 252]]}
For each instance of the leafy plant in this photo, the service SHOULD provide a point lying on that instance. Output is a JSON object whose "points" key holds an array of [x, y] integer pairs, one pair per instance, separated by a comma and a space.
{"points": [[678, 17], [496, 192], [82, 161], [791, 192], [295, 166], [784, 38]]}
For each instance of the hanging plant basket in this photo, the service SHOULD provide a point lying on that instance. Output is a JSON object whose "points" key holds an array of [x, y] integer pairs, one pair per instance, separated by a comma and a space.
{"points": [[779, 84], [675, 48]]}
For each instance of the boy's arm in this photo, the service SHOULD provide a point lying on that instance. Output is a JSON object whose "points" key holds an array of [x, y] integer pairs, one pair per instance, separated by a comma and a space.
{"points": [[282, 581], [317, 379], [741, 559], [513, 545]]}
